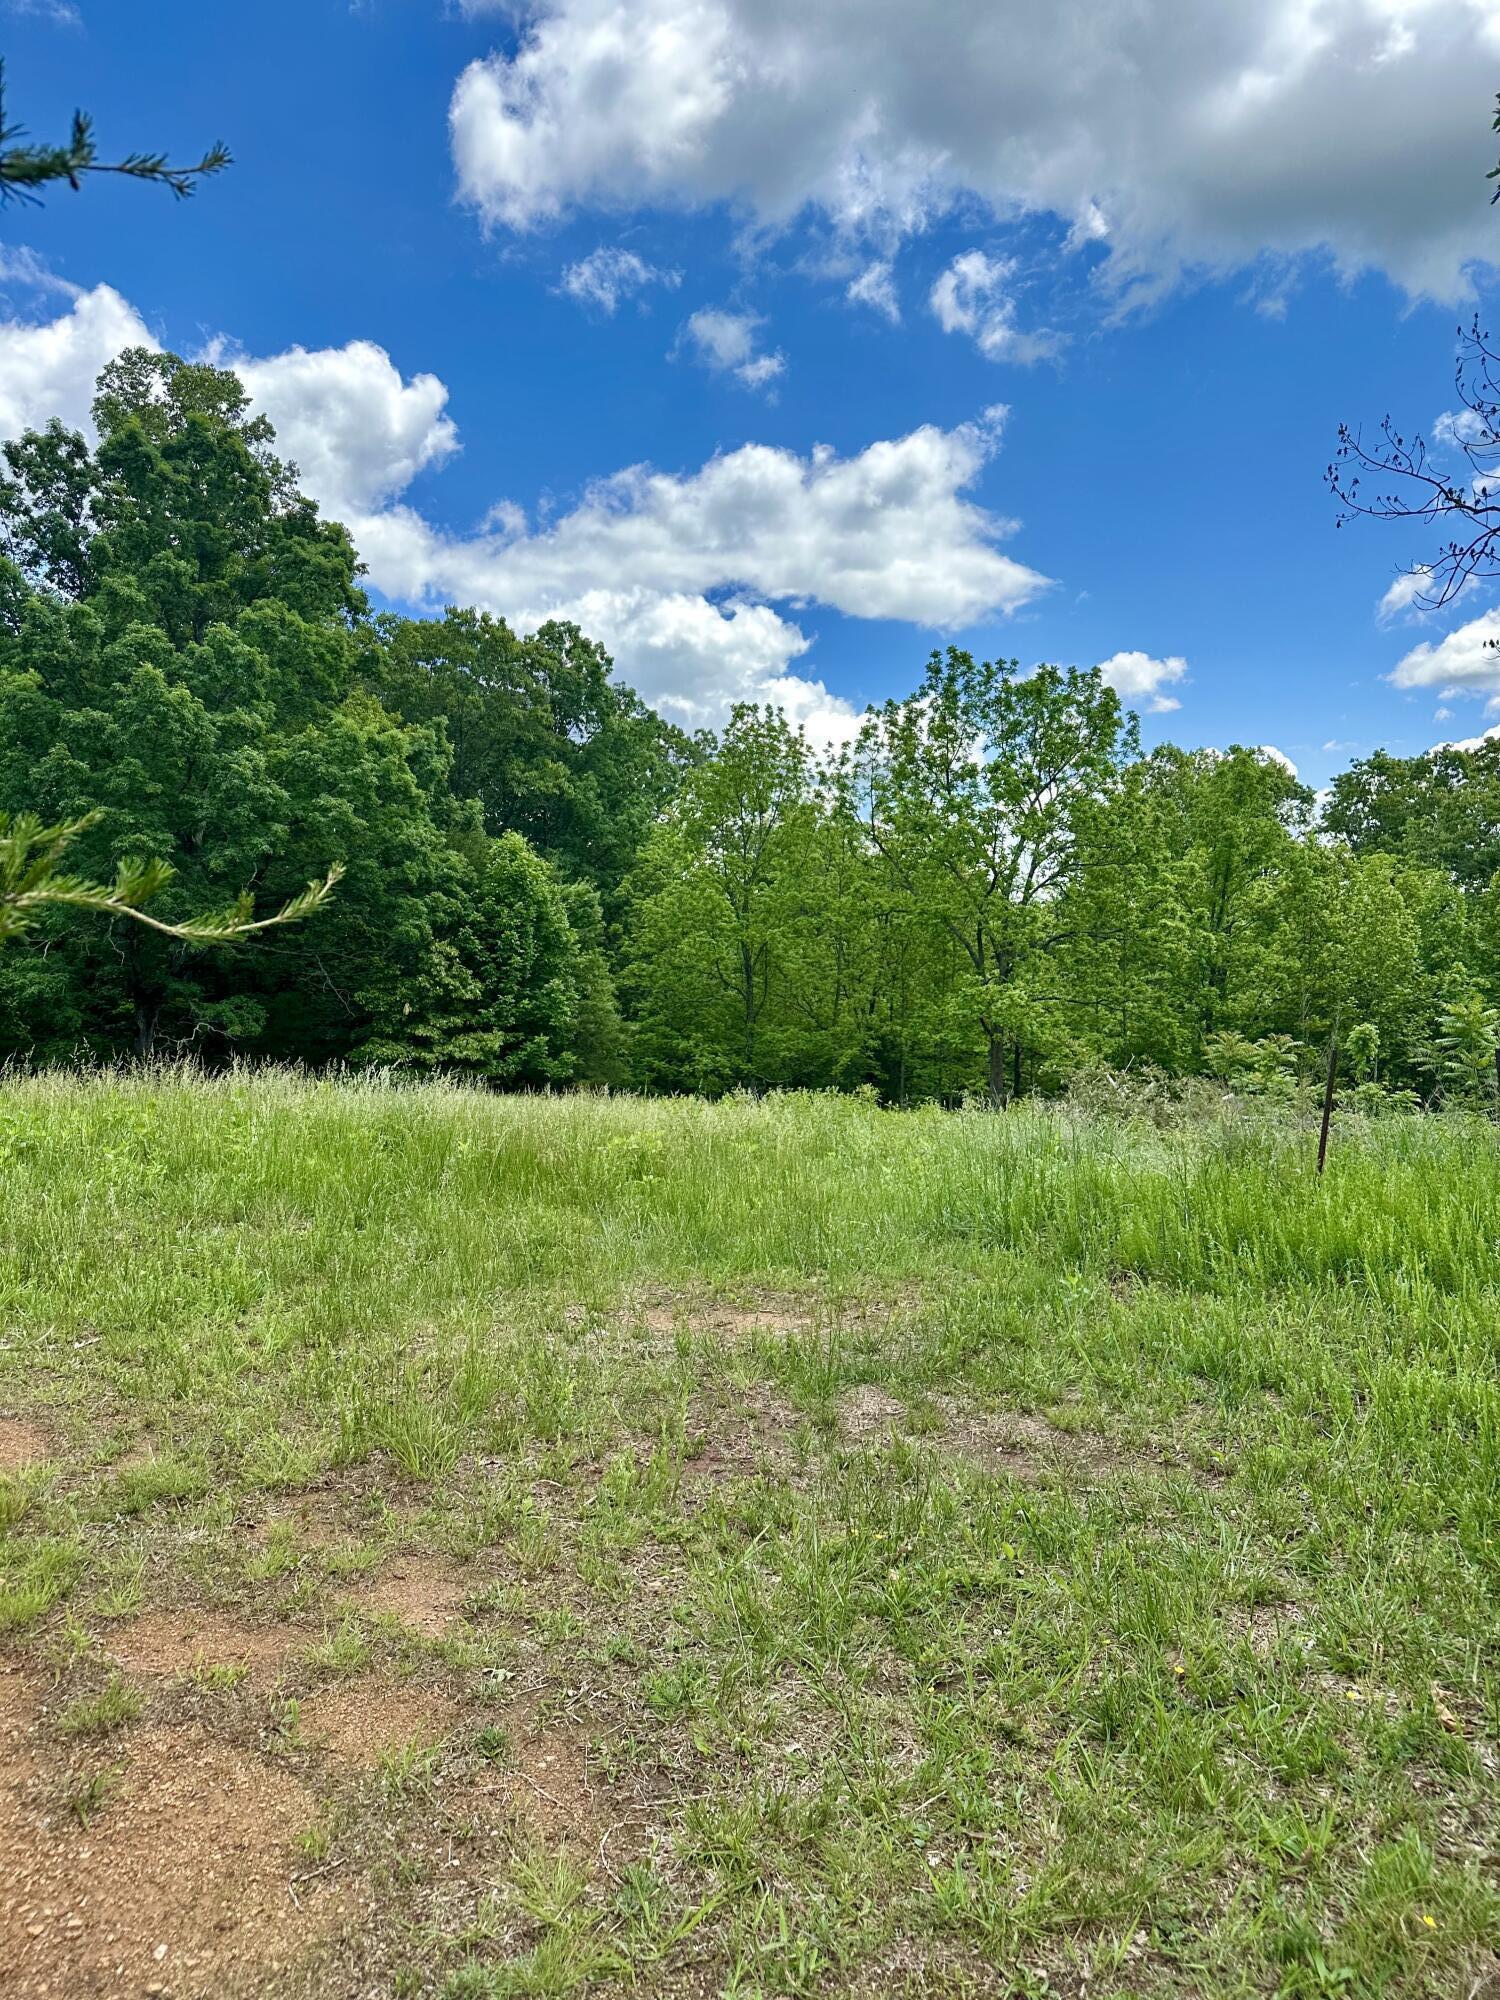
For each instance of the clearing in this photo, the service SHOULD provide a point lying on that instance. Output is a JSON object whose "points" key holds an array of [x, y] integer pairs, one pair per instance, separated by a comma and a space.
{"points": [[467, 1546]]}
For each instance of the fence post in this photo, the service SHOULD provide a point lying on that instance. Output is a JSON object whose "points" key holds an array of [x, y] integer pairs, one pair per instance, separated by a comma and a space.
{"points": [[1333, 1063]]}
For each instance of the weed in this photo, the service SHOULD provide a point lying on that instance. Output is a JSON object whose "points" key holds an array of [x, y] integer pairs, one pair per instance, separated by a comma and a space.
{"points": [[409, 1767], [86, 1799], [344, 1650], [98, 1714]]}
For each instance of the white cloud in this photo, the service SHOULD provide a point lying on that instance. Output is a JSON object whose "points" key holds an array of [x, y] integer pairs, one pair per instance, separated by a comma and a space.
{"points": [[23, 267], [726, 342], [358, 432], [1138, 678], [1461, 428], [1467, 661], [1404, 592], [1468, 742], [1178, 135], [887, 533], [686, 577], [606, 276], [875, 286], [48, 370], [1090, 225], [973, 296], [1275, 756]]}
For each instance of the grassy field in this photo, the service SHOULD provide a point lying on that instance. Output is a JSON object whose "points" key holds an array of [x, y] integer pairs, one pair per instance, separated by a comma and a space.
{"points": [[477, 1546]]}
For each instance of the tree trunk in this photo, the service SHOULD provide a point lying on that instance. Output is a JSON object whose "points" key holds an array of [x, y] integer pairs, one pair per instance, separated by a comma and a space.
{"points": [[147, 1013], [997, 1073], [747, 982]]}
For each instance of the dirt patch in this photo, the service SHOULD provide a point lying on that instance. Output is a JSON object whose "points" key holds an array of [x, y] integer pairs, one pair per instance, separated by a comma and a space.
{"points": [[359, 1721], [868, 1412], [664, 1313], [545, 1795], [183, 1885], [550, 1789], [17, 1722], [424, 1592], [22, 1444], [1264, 1627], [747, 1437], [146, 1450], [177, 1642], [1019, 1446], [310, 1519]]}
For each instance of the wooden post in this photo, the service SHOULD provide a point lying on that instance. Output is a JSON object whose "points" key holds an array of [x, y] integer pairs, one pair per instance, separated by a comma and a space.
{"points": [[1333, 1064]]}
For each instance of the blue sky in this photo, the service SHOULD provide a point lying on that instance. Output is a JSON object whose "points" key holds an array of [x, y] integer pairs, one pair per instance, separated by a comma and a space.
{"points": [[1176, 252]]}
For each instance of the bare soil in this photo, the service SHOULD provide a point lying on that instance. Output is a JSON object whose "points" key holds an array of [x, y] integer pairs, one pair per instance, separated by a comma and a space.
{"points": [[361, 1721], [22, 1444], [170, 1643], [182, 1883], [425, 1592]]}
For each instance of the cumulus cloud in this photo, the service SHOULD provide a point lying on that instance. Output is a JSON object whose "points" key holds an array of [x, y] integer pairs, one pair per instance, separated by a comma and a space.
{"points": [[727, 343], [358, 431], [886, 533], [1468, 742], [1461, 428], [1141, 681], [1275, 756], [606, 276], [1467, 661], [687, 577], [48, 370], [974, 296], [1175, 135]]}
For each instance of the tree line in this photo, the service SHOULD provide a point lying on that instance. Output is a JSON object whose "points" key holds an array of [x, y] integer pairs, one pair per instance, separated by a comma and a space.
{"points": [[992, 889]]}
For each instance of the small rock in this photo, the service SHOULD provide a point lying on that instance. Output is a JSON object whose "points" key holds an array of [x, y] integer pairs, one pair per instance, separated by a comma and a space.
{"points": [[160, 1953]]}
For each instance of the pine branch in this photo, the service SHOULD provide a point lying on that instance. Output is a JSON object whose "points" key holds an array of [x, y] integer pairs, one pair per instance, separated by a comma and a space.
{"points": [[24, 169], [30, 880]]}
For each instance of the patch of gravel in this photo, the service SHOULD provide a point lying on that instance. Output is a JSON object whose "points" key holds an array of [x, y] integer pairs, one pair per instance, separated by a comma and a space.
{"points": [[183, 1884]]}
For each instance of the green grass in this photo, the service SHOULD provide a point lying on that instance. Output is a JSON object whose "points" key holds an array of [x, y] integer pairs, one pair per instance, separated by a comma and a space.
{"points": [[96, 1715], [966, 1552]]}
